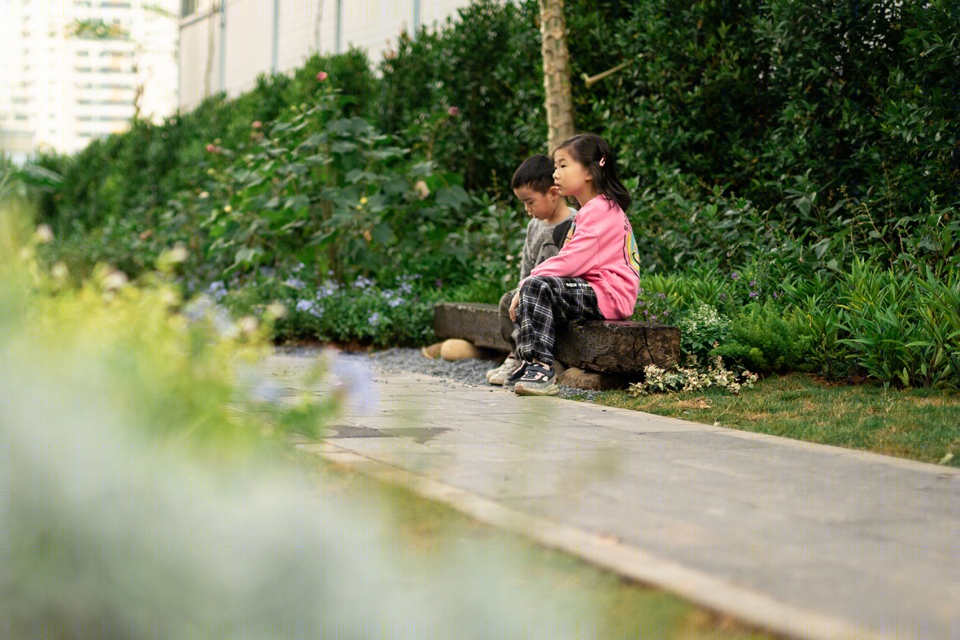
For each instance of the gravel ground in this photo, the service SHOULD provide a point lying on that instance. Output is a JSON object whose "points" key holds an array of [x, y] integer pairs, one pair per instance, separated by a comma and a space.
{"points": [[470, 371]]}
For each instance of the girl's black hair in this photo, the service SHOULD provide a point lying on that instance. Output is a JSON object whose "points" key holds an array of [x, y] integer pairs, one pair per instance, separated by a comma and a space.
{"points": [[590, 150]]}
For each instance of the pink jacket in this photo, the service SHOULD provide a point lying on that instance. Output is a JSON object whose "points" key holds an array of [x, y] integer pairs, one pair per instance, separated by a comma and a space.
{"points": [[601, 249]]}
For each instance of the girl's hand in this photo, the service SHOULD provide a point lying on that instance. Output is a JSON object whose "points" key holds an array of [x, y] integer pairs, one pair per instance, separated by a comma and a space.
{"points": [[513, 306]]}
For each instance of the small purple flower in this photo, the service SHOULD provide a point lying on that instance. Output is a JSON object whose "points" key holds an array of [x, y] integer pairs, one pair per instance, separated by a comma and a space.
{"points": [[295, 283], [310, 306], [362, 282], [354, 382], [395, 302], [438, 283], [374, 319], [217, 290], [662, 296], [753, 294], [653, 318], [640, 303], [776, 294], [735, 275], [723, 296], [753, 283], [645, 312]]}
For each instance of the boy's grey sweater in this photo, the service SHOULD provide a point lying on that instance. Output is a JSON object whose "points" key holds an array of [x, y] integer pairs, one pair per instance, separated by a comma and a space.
{"points": [[542, 242]]}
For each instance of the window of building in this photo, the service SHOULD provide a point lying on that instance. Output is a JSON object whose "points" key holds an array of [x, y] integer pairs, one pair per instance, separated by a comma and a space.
{"points": [[187, 7]]}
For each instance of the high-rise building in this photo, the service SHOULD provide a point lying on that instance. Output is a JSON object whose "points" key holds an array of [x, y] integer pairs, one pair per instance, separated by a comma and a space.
{"points": [[226, 44], [75, 70]]}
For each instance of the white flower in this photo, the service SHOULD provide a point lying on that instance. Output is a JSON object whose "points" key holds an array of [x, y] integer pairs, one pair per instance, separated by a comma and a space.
{"points": [[421, 189], [114, 280], [248, 325], [177, 254], [43, 234]]}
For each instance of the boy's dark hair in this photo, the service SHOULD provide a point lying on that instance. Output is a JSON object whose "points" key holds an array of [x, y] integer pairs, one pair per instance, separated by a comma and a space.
{"points": [[597, 156], [535, 172]]}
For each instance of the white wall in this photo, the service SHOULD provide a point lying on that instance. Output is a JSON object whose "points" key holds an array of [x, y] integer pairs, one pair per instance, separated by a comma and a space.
{"points": [[303, 27]]}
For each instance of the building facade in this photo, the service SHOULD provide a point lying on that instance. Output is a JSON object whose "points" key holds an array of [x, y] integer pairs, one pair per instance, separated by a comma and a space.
{"points": [[76, 70], [226, 44]]}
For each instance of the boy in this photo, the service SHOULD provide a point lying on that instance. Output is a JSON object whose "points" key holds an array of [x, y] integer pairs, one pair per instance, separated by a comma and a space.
{"points": [[533, 185]]}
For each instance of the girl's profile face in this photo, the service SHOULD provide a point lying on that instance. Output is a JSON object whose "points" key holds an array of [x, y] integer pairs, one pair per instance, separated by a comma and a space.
{"points": [[572, 177]]}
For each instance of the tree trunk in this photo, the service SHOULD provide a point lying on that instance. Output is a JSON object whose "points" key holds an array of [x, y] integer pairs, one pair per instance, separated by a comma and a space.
{"points": [[556, 73]]}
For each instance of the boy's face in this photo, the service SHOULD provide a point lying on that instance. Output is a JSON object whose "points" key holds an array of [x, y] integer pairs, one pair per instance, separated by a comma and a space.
{"points": [[538, 205]]}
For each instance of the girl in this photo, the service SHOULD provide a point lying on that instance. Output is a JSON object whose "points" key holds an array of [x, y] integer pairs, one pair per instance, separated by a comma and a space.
{"points": [[595, 276]]}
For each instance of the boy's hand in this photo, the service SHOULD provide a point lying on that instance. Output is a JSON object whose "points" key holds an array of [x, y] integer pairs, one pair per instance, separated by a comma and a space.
{"points": [[513, 306]]}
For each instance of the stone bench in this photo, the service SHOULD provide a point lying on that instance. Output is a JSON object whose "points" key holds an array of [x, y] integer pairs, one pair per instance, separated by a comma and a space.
{"points": [[618, 350]]}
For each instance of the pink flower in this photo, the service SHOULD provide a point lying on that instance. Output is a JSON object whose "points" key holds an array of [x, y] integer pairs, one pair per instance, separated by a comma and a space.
{"points": [[256, 124], [453, 112], [212, 148], [321, 76]]}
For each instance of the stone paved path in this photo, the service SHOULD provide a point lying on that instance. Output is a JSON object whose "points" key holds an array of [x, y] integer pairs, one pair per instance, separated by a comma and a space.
{"points": [[807, 540]]}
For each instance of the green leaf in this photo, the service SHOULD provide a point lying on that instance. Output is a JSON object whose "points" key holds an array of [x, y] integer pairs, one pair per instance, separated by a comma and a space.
{"points": [[342, 147], [453, 197], [383, 234], [356, 175], [297, 202], [248, 255]]}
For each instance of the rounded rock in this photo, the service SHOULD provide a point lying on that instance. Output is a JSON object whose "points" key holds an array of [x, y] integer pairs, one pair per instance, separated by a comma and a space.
{"points": [[433, 351], [457, 349]]}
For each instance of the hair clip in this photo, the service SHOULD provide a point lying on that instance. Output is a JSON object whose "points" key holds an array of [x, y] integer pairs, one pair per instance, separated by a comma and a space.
{"points": [[603, 161]]}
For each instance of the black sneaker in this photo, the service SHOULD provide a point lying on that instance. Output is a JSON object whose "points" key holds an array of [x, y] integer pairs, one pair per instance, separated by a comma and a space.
{"points": [[537, 380], [514, 377]]}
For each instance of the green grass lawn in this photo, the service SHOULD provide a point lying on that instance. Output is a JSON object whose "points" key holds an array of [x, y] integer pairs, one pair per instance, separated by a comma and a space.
{"points": [[921, 424], [621, 609]]}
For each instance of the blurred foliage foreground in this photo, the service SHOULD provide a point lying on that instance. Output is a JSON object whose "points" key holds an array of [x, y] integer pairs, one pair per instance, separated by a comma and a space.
{"points": [[139, 499]]}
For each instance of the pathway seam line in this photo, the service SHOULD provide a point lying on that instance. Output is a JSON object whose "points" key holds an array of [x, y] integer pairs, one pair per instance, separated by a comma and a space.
{"points": [[696, 586]]}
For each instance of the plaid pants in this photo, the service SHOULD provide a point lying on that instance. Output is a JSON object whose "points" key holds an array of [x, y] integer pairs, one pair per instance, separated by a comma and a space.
{"points": [[546, 301]]}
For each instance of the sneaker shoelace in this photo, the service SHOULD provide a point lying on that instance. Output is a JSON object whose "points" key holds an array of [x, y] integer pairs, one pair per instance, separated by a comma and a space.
{"points": [[535, 373]]}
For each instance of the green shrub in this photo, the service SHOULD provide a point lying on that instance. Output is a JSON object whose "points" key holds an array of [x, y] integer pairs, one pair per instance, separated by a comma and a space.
{"points": [[820, 323], [763, 340], [485, 68], [701, 329], [902, 328], [767, 144], [362, 312]]}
